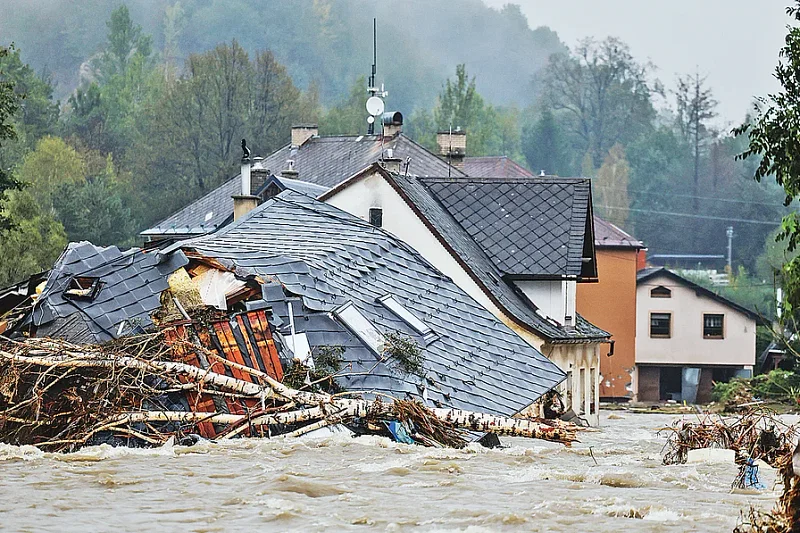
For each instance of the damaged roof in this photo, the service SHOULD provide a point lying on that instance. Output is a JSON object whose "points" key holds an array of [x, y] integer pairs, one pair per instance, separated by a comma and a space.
{"points": [[324, 258], [529, 227], [129, 289], [474, 259], [322, 161]]}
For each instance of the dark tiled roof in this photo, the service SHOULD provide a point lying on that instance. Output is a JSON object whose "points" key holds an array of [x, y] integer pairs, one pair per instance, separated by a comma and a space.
{"points": [[327, 257], [607, 235], [487, 274], [521, 222], [132, 283], [650, 273], [323, 161], [495, 167]]}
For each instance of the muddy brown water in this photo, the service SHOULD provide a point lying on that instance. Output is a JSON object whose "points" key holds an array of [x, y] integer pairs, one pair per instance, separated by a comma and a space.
{"points": [[338, 483]]}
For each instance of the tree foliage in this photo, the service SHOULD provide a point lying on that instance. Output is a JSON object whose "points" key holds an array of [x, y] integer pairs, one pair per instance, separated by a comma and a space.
{"points": [[611, 187], [774, 139]]}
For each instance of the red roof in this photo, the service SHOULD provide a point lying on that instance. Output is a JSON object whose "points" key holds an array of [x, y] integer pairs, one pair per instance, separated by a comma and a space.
{"points": [[495, 167], [607, 235]]}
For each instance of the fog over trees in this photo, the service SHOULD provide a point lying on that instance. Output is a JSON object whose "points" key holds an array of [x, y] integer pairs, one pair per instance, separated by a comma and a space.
{"points": [[120, 113]]}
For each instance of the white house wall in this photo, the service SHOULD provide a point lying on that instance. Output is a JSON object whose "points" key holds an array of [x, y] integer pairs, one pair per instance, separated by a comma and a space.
{"points": [[687, 345]]}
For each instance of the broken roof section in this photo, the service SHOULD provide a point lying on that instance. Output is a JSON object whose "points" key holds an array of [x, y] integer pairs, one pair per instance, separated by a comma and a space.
{"points": [[336, 271], [478, 264], [531, 228], [95, 294], [321, 161]]}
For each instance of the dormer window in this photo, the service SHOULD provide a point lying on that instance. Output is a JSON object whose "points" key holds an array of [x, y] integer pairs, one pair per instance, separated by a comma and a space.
{"points": [[376, 216], [660, 292]]}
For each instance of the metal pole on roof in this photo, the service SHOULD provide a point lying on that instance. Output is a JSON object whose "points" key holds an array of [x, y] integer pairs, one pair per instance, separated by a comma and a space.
{"points": [[729, 233]]}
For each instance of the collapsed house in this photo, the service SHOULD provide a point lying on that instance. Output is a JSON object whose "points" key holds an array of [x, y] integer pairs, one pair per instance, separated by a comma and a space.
{"points": [[293, 287]]}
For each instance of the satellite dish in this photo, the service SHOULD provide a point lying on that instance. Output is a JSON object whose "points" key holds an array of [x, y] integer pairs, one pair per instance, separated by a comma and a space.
{"points": [[375, 106], [370, 120]]}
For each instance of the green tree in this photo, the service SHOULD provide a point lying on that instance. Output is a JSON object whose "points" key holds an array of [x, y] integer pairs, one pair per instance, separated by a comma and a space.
{"points": [[610, 187], [604, 93], [125, 41], [34, 242], [9, 104], [774, 138], [695, 107], [349, 116], [52, 164], [543, 145]]}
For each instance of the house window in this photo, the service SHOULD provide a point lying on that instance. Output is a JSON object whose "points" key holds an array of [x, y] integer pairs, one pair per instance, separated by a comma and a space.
{"points": [[401, 311], [713, 326], [83, 288], [660, 292], [356, 322], [376, 216], [661, 325]]}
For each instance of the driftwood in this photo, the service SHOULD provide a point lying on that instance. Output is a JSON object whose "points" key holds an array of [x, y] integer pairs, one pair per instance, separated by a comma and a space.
{"points": [[61, 396]]}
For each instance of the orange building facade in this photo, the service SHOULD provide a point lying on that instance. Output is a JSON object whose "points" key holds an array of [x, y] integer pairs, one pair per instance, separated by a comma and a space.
{"points": [[611, 304]]}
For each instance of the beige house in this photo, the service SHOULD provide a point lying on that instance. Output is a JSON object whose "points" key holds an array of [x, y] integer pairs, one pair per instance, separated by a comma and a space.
{"points": [[688, 337]]}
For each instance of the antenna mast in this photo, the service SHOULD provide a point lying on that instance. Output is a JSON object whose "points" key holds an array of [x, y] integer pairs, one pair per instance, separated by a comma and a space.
{"points": [[372, 89]]}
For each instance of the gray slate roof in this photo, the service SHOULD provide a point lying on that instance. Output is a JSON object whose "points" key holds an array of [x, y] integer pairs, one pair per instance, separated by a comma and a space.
{"points": [[520, 222], [475, 259], [323, 161], [327, 257], [132, 283]]}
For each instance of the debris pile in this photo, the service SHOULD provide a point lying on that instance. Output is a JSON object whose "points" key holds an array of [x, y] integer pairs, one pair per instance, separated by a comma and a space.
{"points": [[141, 390], [753, 435], [785, 516]]}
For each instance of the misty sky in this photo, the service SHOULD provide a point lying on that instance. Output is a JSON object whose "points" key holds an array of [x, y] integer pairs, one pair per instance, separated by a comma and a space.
{"points": [[734, 42]]}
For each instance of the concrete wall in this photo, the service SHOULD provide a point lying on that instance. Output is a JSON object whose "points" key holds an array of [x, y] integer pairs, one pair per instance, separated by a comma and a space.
{"points": [[611, 304], [686, 346]]}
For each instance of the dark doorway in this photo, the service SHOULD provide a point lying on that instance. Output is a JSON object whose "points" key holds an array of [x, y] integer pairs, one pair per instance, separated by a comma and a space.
{"points": [[670, 383]]}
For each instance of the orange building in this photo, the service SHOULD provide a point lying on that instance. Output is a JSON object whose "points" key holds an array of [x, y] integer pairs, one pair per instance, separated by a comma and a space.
{"points": [[611, 304]]}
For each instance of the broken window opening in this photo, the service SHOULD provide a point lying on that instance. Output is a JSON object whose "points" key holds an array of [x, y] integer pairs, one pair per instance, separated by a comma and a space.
{"points": [[83, 288], [405, 314], [376, 216], [356, 322]]}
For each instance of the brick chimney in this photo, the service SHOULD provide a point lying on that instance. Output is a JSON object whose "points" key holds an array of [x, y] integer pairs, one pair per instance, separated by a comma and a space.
{"points": [[392, 124], [452, 147], [245, 202], [303, 132], [259, 174]]}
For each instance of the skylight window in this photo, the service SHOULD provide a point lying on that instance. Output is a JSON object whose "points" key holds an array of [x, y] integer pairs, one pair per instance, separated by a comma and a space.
{"points": [[356, 322], [83, 288], [407, 316]]}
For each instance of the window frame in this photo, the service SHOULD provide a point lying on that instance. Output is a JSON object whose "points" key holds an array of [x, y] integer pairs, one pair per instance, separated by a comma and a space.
{"points": [[668, 294], [721, 336], [376, 216], [650, 325]]}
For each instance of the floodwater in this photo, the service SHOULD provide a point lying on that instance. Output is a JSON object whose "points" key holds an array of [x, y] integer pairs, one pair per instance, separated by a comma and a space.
{"points": [[612, 481]]}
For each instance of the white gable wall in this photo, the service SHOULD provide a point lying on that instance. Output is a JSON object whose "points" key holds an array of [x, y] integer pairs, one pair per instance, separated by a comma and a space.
{"points": [[555, 299], [686, 346]]}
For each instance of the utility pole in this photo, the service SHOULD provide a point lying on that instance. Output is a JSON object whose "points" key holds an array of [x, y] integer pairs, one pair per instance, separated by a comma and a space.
{"points": [[729, 233]]}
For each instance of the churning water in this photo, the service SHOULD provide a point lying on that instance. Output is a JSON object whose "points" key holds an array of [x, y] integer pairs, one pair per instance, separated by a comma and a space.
{"points": [[612, 481]]}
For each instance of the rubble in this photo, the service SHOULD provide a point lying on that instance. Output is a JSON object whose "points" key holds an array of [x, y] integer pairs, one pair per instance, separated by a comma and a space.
{"points": [[135, 391]]}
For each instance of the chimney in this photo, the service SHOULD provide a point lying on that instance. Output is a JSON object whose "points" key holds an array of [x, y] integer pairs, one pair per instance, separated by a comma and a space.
{"points": [[244, 202], [392, 124], [390, 162], [452, 147], [303, 132], [259, 174], [289, 171]]}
